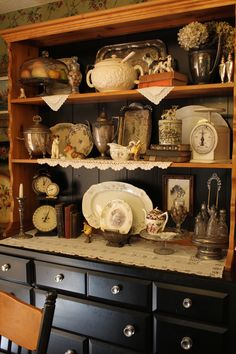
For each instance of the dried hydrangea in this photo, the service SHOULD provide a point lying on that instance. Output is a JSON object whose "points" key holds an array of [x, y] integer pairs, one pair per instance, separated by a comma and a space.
{"points": [[192, 35], [196, 35]]}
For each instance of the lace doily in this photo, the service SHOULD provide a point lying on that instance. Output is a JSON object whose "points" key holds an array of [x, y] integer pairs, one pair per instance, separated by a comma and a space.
{"points": [[104, 164]]}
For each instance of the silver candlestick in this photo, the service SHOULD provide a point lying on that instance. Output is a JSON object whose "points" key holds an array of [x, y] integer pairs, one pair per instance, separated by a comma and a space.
{"points": [[21, 234]]}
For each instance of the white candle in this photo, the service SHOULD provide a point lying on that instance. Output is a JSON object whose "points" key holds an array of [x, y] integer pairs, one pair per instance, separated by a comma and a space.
{"points": [[21, 191]]}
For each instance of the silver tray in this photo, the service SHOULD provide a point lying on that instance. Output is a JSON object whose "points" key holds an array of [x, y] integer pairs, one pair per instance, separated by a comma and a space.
{"points": [[154, 47]]}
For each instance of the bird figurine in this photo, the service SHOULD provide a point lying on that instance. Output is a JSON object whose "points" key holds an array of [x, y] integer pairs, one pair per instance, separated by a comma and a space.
{"points": [[135, 148], [87, 230]]}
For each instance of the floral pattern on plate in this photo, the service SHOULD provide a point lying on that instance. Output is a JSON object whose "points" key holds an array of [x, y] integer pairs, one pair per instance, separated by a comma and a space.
{"points": [[116, 216], [80, 138]]}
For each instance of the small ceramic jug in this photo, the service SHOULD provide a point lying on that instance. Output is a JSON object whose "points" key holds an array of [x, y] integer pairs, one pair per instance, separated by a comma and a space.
{"points": [[155, 221]]}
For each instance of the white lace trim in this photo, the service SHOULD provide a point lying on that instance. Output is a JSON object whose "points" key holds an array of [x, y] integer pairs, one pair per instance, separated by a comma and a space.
{"points": [[104, 164]]}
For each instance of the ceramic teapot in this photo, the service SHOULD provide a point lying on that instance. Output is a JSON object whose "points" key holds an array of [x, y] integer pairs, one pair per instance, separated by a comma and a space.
{"points": [[114, 74], [155, 221]]}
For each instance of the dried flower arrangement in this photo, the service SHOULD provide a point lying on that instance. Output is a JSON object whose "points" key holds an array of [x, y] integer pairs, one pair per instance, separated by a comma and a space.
{"points": [[203, 35]]}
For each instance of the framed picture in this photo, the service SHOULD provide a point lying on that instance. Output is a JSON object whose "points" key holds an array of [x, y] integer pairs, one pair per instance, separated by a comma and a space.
{"points": [[178, 186], [3, 93]]}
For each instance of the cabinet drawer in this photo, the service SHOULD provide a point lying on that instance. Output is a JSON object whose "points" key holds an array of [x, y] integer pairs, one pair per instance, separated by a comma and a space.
{"points": [[98, 347], [18, 290], [182, 336], [135, 292], [198, 304], [15, 269], [60, 277], [66, 343], [104, 322]]}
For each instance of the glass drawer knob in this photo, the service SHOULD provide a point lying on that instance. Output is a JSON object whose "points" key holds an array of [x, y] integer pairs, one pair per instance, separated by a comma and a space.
{"points": [[58, 278], [69, 351], [129, 331], [187, 303], [186, 343], [115, 289], [5, 267]]}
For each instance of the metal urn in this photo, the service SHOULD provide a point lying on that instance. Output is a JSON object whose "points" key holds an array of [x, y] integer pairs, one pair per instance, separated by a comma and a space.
{"points": [[103, 130], [37, 138]]}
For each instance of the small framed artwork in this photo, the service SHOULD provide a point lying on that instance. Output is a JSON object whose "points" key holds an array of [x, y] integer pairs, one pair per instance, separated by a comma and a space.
{"points": [[178, 186], [3, 93]]}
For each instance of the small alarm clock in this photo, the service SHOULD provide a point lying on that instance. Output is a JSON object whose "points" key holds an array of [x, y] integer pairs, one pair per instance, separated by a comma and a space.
{"points": [[52, 190], [210, 143], [40, 182]]}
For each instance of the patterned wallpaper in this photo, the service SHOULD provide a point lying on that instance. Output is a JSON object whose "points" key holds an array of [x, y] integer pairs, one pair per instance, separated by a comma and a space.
{"points": [[51, 11]]}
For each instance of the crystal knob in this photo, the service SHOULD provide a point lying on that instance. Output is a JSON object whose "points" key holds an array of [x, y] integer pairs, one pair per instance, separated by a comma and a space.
{"points": [[5, 267], [115, 289], [129, 331], [58, 278], [187, 303], [186, 343], [69, 351]]}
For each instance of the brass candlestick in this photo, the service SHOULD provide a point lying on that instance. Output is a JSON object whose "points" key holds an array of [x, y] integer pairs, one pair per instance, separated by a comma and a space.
{"points": [[21, 234]]}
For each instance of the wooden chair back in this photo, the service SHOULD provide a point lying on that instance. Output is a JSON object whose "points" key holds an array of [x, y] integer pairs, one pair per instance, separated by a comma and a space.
{"points": [[24, 325]]}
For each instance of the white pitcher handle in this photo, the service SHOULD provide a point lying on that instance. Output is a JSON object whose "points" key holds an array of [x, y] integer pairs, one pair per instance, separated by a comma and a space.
{"points": [[88, 78], [167, 217]]}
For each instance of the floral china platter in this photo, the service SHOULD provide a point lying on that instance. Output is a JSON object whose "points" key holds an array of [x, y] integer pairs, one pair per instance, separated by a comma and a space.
{"points": [[61, 129], [116, 216], [80, 138], [98, 195]]}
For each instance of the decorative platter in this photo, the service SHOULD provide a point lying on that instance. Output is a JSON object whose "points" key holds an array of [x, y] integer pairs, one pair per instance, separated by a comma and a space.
{"points": [[153, 48], [190, 117], [98, 195], [116, 216], [62, 129], [80, 138]]}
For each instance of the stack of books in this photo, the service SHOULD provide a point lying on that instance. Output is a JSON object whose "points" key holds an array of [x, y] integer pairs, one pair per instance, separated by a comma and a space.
{"points": [[69, 220], [174, 153], [172, 78]]}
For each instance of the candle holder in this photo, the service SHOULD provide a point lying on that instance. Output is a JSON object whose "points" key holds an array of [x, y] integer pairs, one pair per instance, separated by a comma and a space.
{"points": [[22, 234]]}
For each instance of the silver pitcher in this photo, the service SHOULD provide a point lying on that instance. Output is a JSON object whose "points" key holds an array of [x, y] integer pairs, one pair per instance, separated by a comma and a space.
{"points": [[103, 131]]}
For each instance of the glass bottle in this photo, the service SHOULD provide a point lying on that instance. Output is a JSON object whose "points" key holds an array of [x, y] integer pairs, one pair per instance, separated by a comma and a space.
{"points": [[222, 226], [199, 227], [204, 216], [212, 225]]}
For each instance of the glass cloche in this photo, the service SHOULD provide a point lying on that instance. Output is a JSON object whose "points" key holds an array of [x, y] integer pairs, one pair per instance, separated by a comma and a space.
{"points": [[43, 71]]}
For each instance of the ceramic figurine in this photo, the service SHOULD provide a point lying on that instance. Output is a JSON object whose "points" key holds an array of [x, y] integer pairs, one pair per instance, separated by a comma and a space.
{"points": [[87, 230], [55, 147], [74, 75], [222, 69], [229, 67], [22, 93], [135, 148], [164, 65]]}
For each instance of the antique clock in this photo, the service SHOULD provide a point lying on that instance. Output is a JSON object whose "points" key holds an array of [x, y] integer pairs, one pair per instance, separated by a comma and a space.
{"points": [[52, 190], [40, 182], [209, 141], [45, 220]]}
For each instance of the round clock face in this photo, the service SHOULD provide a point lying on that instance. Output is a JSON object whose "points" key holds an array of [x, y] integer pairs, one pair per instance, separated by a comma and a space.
{"points": [[203, 138], [40, 184], [44, 218], [52, 190]]}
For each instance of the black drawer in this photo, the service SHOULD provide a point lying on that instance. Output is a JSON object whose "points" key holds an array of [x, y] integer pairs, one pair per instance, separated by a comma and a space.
{"points": [[130, 291], [19, 290], [103, 322], [174, 336], [15, 269], [98, 347], [60, 277], [62, 343], [197, 304]]}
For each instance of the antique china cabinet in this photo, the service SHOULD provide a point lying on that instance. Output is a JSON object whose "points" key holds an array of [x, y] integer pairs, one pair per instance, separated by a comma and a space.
{"points": [[211, 324]]}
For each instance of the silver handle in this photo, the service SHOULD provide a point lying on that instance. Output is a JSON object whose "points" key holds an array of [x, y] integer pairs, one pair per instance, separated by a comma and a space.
{"points": [[129, 331], [69, 351], [187, 303], [5, 267], [115, 289], [186, 343], [58, 278]]}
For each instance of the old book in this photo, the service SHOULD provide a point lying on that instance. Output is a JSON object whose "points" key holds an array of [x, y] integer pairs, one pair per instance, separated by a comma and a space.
{"points": [[68, 210], [74, 224], [60, 219], [167, 153], [179, 147], [167, 158], [172, 78]]}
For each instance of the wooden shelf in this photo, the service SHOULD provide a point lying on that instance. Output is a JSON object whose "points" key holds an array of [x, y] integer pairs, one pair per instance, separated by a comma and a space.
{"points": [[174, 164], [178, 92]]}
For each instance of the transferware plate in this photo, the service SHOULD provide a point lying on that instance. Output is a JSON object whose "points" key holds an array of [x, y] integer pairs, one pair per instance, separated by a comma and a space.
{"points": [[98, 196], [80, 138]]}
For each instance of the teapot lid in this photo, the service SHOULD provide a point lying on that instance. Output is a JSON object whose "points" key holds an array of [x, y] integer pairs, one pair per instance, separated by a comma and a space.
{"points": [[37, 127], [102, 119], [154, 213]]}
